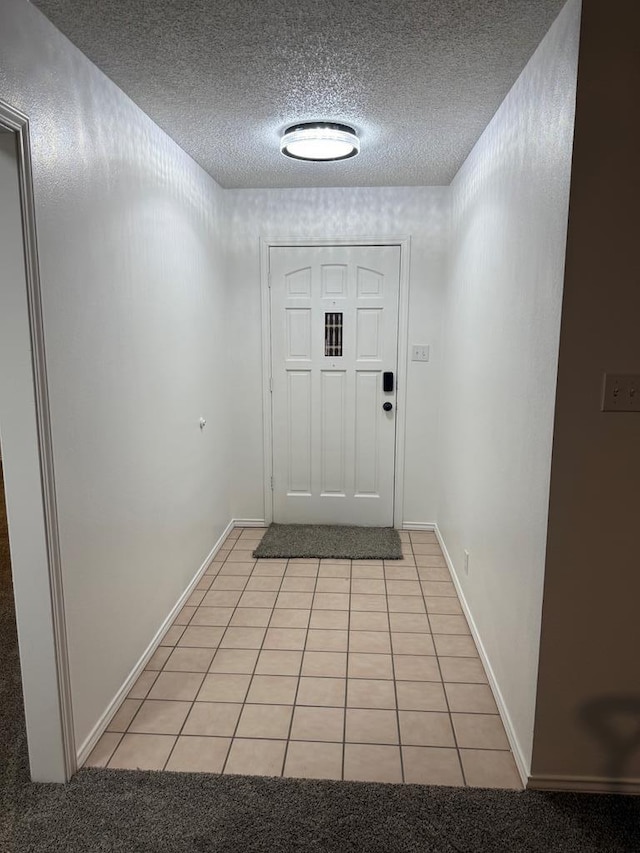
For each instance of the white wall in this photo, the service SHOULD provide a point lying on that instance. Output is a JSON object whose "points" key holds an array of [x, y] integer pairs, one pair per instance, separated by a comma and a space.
{"points": [[588, 704], [420, 213], [501, 326], [130, 238]]}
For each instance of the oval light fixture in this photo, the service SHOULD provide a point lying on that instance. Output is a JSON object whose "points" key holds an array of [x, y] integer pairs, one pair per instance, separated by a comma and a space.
{"points": [[320, 141]]}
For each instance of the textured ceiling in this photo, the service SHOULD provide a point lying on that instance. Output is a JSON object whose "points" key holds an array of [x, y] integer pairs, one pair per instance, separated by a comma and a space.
{"points": [[418, 79]]}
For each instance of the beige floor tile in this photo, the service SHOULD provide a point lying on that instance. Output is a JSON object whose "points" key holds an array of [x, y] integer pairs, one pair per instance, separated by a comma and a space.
{"points": [[269, 568], [264, 584], [372, 572], [294, 618], [193, 754], [277, 662], [159, 717], [243, 638], [465, 670], [370, 693], [367, 725], [121, 720], [431, 765], [431, 548], [455, 645], [333, 570], [229, 582], [332, 664], [440, 604], [484, 768], [142, 752], [416, 668], [368, 586], [212, 616], [369, 602], [258, 599], [265, 721], [416, 623], [471, 698], [195, 598], [323, 724], [189, 660], [221, 598], [332, 619], [301, 570], [143, 685], [304, 561], [421, 696], [238, 557], [185, 615], [369, 621], [313, 760], [426, 560], [234, 660], [479, 731], [158, 658], [212, 719], [376, 642], [224, 687], [244, 544], [172, 635], [329, 692], [295, 584], [372, 763], [177, 685], [324, 640], [331, 601], [448, 624], [365, 665], [236, 569], [103, 750], [438, 588], [425, 728], [412, 644], [273, 689], [256, 757], [285, 638], [201, 637], [406, 604], [251, 617], [400, 573], [403, 588], [254, 533], [366, 564], [434, 573], [341, 585], [294, 600]]}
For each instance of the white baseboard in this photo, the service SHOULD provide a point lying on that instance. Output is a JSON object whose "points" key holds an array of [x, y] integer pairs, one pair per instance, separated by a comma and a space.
{"points": [[91, 740], [521, 762], [584, 784], [418, 525], [249, 522]]}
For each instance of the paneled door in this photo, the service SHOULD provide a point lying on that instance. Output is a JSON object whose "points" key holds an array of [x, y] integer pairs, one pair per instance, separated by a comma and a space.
{"points": [[334, 340]]}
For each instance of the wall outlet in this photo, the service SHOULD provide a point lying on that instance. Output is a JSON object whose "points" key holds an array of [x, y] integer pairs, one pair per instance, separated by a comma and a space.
{"points": [[621, 392], [419, 352], [466, 562]]}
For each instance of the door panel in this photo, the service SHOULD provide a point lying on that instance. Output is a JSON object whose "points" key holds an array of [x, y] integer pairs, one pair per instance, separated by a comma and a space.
{"points": [[334, 328]]}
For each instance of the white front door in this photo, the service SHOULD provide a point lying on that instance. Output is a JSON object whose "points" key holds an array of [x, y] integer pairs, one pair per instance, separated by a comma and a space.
{"points": [[334, 333]]}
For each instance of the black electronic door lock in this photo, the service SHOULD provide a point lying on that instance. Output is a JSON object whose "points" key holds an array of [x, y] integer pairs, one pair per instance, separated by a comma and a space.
{"points": [[387, 382]]}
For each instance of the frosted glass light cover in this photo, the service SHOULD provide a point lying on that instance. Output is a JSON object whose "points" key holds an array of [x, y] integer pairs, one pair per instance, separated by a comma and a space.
{"points": [[320, 142]]}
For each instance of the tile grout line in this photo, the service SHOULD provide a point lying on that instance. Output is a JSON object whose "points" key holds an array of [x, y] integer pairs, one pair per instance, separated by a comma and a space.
{"points": [[346, 674]]}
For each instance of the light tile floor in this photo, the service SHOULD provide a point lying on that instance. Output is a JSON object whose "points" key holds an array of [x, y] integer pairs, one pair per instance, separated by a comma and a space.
{"points": [[335, 669]]}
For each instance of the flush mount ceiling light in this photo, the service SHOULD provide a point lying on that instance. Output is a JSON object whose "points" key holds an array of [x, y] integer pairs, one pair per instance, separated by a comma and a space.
{"points": [[320, 141]]}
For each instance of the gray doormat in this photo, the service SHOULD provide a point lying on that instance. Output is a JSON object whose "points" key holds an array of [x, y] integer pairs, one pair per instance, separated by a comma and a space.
{"points": [[329, 541]]}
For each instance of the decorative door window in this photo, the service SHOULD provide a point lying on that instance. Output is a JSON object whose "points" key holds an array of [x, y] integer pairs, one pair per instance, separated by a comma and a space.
{"points": [[333, 334]]}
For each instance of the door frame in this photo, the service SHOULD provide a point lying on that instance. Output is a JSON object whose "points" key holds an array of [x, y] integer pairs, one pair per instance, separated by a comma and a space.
{"points": [[404, 243], [45, 516]]}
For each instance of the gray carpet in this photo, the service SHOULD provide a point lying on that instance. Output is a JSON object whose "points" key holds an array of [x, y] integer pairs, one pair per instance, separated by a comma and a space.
{"points": [[329, 541], [117, 811]]}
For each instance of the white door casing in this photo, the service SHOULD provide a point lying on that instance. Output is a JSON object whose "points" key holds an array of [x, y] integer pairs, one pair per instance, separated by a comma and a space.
{"points": [[333, 444]]}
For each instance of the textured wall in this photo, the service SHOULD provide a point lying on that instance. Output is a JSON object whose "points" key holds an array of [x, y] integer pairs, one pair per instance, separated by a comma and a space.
{"points": [[502, 315], [130, 242], [374, 212], [588, 707]]}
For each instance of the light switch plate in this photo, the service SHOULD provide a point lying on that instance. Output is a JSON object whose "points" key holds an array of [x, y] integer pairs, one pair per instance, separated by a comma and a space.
{"points": [[621, 392], [419, 352]]}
